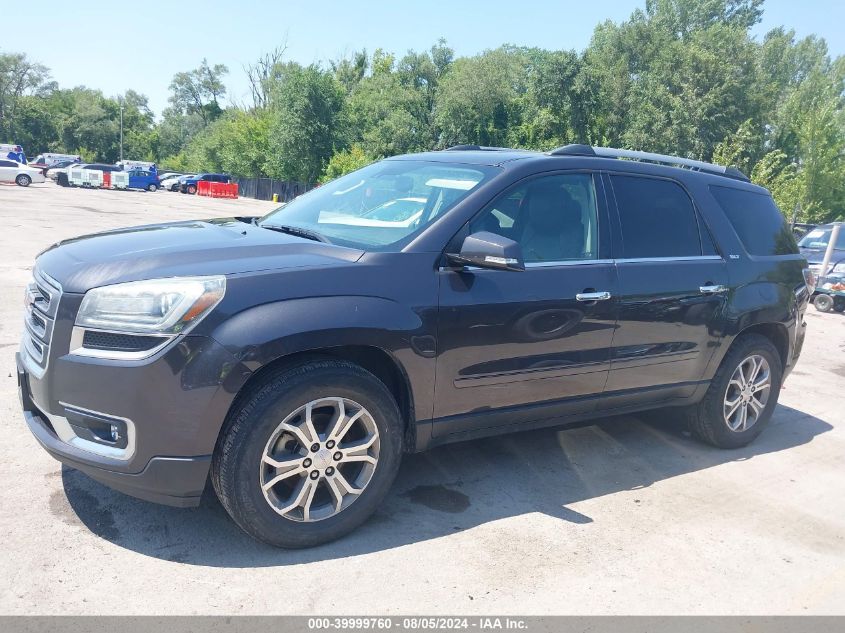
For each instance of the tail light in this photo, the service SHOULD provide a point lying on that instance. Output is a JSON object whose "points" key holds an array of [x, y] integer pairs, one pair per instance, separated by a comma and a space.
{"points": [[810, 280]]}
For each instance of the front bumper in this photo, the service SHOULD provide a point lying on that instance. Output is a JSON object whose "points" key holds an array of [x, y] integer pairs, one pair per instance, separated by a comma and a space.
{"points": [[174, 403]]}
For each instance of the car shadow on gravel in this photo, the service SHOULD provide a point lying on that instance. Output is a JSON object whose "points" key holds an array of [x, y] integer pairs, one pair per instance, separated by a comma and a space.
{"points": [[443, 491]]}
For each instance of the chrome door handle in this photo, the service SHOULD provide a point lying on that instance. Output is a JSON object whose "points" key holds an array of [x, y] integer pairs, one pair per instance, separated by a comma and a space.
{"points": [[593, 296], [713, 290]]}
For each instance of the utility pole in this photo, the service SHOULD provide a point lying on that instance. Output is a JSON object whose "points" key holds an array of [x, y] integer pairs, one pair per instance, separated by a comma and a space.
{"points": [[121, 130]]}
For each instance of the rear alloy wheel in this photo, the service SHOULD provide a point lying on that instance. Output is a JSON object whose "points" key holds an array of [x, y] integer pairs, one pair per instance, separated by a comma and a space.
{"points": [[747, 393], [152, 187], [742, 395], [308, 454], [23, 180]]}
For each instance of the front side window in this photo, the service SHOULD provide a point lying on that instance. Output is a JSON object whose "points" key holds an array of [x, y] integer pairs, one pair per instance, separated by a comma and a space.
{"points": [[657, 218], [382, 205], [553, 218]]}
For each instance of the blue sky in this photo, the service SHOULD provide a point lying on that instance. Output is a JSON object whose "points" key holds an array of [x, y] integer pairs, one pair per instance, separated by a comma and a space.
{"points": [[115, 46]]}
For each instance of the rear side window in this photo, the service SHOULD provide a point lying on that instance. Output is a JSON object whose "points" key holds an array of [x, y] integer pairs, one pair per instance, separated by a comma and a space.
{"points": [[757, 221], [657, 217]]}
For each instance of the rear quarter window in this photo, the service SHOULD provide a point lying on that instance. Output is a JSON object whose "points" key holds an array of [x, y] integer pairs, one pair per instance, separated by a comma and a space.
{"points": [[757, 221]]}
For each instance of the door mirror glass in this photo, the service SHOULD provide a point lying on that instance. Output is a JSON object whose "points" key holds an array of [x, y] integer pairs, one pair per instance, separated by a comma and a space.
{"points": [[488, 250]]}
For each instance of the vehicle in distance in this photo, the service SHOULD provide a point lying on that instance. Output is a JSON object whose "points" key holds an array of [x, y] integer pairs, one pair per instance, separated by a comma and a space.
{"points": [[171, 183], [143, 179], [294, 359], [814, 246], [188, 184], [22, 175]]}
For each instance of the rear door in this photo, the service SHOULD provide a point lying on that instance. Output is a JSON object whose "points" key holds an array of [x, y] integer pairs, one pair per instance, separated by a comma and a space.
{"points": [[534, 344], [673, 287]]}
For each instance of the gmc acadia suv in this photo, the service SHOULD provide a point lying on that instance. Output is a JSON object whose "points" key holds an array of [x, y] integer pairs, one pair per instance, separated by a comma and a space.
{"points": [[294, 358]]}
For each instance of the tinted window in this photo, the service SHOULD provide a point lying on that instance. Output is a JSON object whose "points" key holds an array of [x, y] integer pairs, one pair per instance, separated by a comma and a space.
{"points": [[657, 216], [553, 218], [7, 163], [757, 221]]}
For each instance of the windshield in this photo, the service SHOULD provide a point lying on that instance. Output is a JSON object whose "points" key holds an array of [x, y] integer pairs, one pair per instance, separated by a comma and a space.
{"points": [[380, 205], [820, 238]]}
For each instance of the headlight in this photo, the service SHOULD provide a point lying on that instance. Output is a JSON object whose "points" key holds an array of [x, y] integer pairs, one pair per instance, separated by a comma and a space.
{"points": [[155, 306]]}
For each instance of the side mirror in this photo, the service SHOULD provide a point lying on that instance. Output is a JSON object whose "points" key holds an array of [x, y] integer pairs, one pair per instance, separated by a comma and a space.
{"points": [[488, 250]]}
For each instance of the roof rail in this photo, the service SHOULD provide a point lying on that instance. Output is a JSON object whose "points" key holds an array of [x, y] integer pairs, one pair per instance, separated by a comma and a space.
{"points": [[661, 159], [481, 148]]}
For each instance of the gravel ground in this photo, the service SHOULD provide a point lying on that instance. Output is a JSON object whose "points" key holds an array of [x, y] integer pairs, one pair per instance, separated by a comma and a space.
{"points": [[625, 516]]}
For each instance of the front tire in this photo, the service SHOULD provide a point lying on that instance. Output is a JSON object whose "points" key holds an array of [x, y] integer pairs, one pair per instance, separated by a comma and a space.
{"points": [[742, 396], [23, 180], [192, 189], [308, 454]]}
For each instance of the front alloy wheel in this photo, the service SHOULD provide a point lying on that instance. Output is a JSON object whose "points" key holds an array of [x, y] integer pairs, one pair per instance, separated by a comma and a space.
{"points": [[308, 452], [320, 459], [23, 180]]}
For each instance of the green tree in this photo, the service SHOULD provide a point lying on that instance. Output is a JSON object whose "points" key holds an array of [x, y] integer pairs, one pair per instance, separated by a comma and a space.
{"points": [[199, 91], [345, 161], [20, 78], [306, 123]]}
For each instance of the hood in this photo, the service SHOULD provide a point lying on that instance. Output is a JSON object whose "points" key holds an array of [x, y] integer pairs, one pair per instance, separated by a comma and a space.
{"points": [[209, 247]]}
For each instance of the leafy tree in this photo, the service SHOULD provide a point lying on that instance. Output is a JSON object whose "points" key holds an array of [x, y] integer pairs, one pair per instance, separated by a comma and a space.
{"points": [[306, 123], [345, 161], [478, 100], [198, 91], [19, 78]]}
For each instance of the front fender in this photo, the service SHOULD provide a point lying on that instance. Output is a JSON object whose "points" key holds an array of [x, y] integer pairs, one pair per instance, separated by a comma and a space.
{"points": [[263, 334]]}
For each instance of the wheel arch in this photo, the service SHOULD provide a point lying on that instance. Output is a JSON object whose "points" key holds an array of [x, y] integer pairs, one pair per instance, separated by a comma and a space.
{"points": [[378, 361]]}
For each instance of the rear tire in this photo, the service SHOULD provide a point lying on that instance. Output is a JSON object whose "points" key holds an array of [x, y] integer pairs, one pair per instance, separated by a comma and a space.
{"points": [[264, 441], [839, 304], [823, 303], [710, 420], [152, 187], [23, 180]]}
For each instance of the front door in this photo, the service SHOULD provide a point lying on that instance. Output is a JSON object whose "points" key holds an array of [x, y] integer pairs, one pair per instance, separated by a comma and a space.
{"points": [[529, 345], [673, 287]]}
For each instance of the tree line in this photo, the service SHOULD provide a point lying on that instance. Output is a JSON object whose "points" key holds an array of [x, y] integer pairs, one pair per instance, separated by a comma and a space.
{"points": [[681, 77]]}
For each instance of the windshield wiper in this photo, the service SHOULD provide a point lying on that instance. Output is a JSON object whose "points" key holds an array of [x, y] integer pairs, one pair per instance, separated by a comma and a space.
{"points": [[297, 231]]}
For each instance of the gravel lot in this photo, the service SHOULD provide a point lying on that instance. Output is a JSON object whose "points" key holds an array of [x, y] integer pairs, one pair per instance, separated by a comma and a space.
{"points": [[627, 515]]}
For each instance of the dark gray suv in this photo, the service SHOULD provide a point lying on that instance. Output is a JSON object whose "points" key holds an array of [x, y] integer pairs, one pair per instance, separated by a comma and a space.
{"points": [[421, 300]]}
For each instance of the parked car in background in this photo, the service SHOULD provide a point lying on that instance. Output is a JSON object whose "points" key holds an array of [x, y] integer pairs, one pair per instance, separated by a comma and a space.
{"points": [[172, 183], [129, 165], [800, 229], [22, 175], [294, 359], [142, 179], [49, 161], [53, 172], [189, 184], [164, 175], [814, 245]]}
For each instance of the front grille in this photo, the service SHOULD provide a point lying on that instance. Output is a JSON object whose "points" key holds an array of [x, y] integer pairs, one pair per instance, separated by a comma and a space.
{"points": [[43, 295]]}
